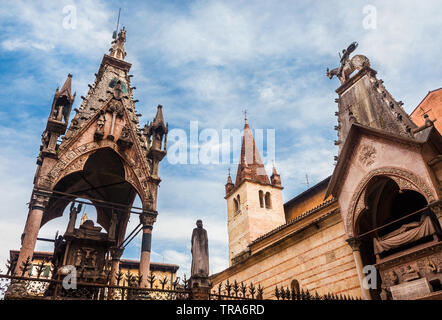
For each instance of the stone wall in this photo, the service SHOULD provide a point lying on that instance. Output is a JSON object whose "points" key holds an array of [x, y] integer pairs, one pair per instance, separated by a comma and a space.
{"points": [[252, 221], [319, 259]]}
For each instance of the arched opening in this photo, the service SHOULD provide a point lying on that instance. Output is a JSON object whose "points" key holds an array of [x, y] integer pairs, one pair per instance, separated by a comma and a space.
{"points": [[268, 200], [383, 226], [294, 286], [261, 198], [103, 182], [235, 204], [238, 204]]}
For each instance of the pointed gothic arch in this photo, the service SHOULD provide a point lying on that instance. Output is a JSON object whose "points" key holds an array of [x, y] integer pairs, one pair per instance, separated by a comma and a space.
{"points": [[102, 176], [388, 211], [405, 180]]}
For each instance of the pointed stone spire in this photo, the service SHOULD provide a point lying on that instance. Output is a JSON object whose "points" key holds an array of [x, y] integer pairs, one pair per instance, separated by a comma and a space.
{"points": [[229, 184], [275, 178], [158, 121], [67, 88], [250, 166], [117, 51]]}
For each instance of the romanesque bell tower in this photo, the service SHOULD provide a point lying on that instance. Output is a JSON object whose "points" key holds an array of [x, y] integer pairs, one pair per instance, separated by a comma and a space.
{"points": [[254, 203]]}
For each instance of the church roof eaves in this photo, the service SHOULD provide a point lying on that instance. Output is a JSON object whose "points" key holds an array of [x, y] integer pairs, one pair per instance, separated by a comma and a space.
{"points": [[295, 220]]}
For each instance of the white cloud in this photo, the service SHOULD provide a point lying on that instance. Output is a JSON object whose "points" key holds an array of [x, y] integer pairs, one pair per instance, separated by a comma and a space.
{"points": [[42, 26]]}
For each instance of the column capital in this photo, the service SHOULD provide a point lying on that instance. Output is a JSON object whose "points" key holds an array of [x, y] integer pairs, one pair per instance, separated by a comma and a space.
{"points": [[116, 252], [148, 218], [39, 200], [354, 243]]}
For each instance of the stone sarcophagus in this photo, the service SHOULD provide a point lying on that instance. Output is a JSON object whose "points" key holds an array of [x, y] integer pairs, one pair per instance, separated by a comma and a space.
{"points": [[86, 249], [415, 271]]}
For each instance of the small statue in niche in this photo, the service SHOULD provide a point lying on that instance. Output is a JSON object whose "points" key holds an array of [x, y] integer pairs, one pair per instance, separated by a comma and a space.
{"points": [[124, 140], [410, 274], [101, 122], [55, 112], [59, 249], [394, 277], [78, 258], [432, 267], [45, 139], [93, 262], [125, 132]]}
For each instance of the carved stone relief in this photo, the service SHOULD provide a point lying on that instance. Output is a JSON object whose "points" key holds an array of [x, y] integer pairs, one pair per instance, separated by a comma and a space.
{"points": [[367, 155]]}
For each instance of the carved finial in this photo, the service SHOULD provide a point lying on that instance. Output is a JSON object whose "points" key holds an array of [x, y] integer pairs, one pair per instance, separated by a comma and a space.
{"points": [[117, 51]]}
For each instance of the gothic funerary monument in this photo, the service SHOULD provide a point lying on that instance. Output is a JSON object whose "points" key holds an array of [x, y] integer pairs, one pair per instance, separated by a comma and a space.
{"points": [[102, 156], [380, 212]]}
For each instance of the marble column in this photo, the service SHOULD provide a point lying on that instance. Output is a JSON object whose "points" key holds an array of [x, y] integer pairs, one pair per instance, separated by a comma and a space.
{"points": [[116, 254], [147, 219], [355, 246], [29, 238]]}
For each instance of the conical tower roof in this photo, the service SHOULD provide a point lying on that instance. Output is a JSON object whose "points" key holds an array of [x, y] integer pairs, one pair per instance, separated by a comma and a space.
{"points": [[67, 87], [158, 121], [250, 165]]}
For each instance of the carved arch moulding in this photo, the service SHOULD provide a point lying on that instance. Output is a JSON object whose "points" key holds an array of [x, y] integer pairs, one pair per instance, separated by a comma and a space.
{"points": [[74, 161], [405, 180]]}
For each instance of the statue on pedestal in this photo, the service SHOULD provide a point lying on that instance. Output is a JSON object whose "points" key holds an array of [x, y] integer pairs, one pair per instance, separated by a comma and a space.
{"points": [[200, 251], [199, 280]]}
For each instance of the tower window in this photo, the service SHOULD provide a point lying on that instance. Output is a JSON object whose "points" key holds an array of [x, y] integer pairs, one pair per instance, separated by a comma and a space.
{"points": [[268, 201], [261, 199], [235, 203]]}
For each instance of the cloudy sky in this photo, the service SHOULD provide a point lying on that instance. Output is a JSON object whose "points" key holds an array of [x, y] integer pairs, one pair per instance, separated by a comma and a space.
{"points": [[204, 61]]}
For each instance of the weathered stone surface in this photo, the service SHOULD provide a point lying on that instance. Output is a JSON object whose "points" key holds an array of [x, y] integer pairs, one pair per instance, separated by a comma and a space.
{"points": [[411, 290]]}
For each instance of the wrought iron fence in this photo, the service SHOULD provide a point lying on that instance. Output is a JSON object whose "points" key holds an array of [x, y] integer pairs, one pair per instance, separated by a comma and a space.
{"points": [[17, 287], [241, 291], [236, 291], [128, 286]]}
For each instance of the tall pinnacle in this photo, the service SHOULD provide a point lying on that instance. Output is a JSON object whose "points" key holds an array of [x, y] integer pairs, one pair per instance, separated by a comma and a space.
{"points": [[67, 87], [250, 166], [117, 51]]}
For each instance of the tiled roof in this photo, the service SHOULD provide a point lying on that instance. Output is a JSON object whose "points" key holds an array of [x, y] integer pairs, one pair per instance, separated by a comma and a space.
{"points": [[293, 221]]}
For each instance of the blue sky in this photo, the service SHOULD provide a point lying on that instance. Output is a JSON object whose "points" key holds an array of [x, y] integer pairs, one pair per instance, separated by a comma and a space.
{"points": [[204, 61]]}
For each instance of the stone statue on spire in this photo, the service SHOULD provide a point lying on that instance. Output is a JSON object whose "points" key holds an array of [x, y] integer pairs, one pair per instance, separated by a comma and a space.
{"points": [[117, 50], [348, 65]]}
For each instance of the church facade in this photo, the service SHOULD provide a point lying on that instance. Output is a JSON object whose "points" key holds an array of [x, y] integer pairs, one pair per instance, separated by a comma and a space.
{"points": [[372, 229]]}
